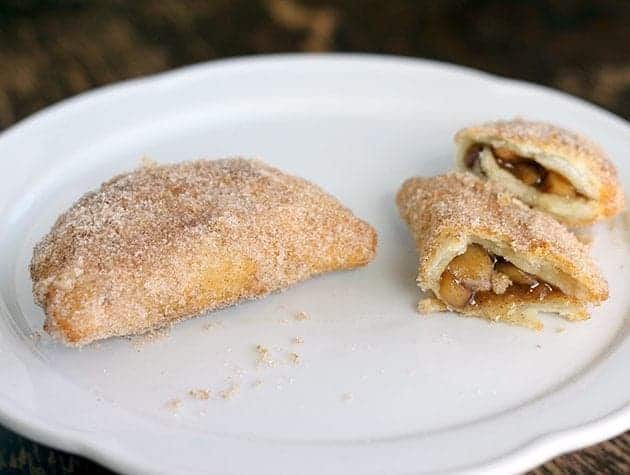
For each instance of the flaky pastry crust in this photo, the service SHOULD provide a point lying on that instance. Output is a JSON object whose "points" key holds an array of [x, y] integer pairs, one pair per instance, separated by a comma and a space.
{"points": [[164, 243], [582, 162], [447, 213]]}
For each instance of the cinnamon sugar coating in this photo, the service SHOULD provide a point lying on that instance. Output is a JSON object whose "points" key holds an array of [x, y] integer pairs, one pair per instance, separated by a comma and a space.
{"points": [[163, 243], [447, 212], [542, 136], [535, 139]]}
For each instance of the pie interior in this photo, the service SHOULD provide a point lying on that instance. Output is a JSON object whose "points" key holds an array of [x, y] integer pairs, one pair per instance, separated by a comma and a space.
{"points": [[480, 278], [525, 169]]}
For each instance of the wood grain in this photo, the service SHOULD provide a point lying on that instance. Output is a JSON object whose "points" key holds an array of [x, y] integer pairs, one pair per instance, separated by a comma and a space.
{"points": [[50, 50]]}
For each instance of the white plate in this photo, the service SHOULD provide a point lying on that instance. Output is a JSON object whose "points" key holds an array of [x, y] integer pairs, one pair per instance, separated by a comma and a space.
{"points": [[379, 388]]}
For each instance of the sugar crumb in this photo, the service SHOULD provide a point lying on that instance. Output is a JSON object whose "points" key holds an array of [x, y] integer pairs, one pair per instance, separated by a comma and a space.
{"points": [[301, 316], [295, 358], [264, 357], [199, 394], [173, 404], [298, 340], [233, 389]]}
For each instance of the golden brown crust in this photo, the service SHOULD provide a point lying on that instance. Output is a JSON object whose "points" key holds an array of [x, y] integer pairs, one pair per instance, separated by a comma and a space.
{"points": [[167, 242], [592, 170], [447, 212]]}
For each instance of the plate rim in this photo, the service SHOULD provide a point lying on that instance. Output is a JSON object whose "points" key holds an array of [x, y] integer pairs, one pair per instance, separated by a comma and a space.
{"points": [[538, 450]]}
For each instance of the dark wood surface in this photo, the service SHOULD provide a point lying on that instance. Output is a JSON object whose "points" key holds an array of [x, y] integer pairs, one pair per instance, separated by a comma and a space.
{"points": [[50, 50]]}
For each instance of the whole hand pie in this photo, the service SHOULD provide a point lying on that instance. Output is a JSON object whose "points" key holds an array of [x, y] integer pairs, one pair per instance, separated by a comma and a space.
{"points": [[164, 243], [484, 253], [547, 167]]}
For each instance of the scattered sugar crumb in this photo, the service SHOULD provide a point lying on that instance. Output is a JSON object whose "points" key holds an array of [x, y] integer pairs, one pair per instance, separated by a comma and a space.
{"points": [[258, 383], [233, 389], [301, 316], [173, 404], [295, 358], [298, 340], [347, 397], [283, 321], [560, 330], [264, 357], [199, 394]]}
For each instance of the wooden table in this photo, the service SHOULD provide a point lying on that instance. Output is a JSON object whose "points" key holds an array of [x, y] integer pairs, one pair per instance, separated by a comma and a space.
{"points": [[52, 50]]}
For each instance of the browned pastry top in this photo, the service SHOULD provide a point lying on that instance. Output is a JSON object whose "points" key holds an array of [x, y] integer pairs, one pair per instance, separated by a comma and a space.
{"points": [[460, 204], [163, 242], [549, 139]]}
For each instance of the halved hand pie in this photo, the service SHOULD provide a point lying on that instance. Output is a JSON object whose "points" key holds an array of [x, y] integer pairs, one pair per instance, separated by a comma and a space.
{"points": [[164, 243], [547, 167], [484, 253]]}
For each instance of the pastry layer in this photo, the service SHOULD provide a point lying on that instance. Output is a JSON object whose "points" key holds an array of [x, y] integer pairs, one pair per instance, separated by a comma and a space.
{"points": [[577, 182], [449, 213], [163, 243]]}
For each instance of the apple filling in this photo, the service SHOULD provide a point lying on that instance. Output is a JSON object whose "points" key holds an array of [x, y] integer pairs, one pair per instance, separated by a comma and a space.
{"points": [[528, 171], [477, 275]]}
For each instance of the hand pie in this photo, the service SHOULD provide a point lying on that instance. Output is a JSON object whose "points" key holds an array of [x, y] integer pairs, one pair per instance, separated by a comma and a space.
{"points": [[547, 167], [484, 253], [164, 243]]}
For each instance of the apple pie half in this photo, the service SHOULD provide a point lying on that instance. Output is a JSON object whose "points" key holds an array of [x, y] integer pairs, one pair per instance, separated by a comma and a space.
{"points": [[164, 243], [484, 253], [548, 168]]}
